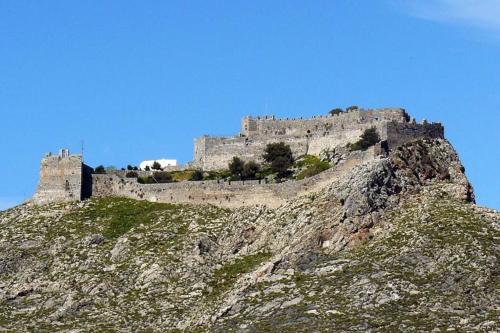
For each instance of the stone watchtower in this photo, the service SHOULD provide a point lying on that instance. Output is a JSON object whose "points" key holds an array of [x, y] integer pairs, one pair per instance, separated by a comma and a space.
{"points": [[63, 177]]}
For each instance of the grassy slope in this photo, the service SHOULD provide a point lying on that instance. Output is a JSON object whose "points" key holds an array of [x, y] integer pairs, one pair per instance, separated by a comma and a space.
{"points": [[436, 266], [47, 246]]}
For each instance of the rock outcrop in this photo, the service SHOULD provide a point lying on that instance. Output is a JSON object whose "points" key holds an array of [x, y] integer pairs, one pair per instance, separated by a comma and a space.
{"points": [[391, 244]]}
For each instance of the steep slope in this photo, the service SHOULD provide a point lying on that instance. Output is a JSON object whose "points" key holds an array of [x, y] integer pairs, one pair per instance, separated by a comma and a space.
{"points": [[395, 244]]}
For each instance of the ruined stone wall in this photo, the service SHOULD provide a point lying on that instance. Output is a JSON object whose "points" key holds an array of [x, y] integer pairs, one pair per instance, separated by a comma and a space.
{"points": [[216, 152], [60, 179], [219, 151], [319, 125], [222, 193], [308, 136]]}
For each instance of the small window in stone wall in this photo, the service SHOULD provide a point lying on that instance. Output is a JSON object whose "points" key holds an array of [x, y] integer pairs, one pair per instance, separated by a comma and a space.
{"points": [[66, 185]]}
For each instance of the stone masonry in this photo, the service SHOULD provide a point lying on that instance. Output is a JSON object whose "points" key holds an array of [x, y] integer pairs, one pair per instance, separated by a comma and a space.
{"points": [[309, 136], [66, 178], [63, 177]]}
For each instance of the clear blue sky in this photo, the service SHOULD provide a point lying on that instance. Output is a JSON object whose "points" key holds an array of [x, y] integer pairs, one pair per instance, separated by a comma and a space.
{"points": [[140, 79]]}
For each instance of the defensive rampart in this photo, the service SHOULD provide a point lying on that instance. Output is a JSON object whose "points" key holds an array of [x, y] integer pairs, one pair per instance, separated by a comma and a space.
{"points": [[222, 193], [66, 178], [309, 136]]}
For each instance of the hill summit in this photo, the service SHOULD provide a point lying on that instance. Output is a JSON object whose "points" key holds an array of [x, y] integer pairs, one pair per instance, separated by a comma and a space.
{"points": [[393, 242]]}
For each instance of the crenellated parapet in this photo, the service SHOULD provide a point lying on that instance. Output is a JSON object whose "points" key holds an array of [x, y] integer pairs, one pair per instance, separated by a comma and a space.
{"points": [[64, 177], [309, 136]]}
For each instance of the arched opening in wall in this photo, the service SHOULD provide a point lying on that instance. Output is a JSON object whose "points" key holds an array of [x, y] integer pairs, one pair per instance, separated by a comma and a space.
{"points": [[308, 131], [66, 185]]}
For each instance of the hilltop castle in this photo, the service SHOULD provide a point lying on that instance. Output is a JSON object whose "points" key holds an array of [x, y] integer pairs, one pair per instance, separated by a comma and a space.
{"points": [[309, 136], [66, 178]]}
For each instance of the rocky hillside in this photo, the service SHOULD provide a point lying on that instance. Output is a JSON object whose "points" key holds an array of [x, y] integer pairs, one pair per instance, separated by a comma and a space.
{"points": [[395, 244]]}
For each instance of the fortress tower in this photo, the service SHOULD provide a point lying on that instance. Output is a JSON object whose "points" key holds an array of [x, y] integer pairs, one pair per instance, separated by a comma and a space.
{"points": [[63, 177], [66, 178]]}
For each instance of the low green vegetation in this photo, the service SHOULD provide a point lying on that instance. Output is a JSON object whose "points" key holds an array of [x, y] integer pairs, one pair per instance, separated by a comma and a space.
{"points": [[225, 277], [196, 175], [241, 170], [120, 215], [182, 175], [368, 138], [310, 165], [131, 174], [216, 174], [156, 177], [438, 251]]}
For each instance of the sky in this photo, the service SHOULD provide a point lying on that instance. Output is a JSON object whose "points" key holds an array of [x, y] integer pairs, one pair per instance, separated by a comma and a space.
{"points": [[138, 80]]}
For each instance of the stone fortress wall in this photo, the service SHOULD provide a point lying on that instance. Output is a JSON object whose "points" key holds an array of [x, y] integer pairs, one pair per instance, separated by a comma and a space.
{"points": [[228, 194], [309, 136], [63, 177], [66, 178]]}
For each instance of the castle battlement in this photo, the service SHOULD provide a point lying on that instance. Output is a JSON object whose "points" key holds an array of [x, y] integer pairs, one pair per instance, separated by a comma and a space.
{"points": [[308, 135], [64, 177]]}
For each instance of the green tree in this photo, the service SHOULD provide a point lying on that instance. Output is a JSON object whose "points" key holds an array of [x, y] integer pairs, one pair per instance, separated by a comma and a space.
{"points": [[100, 169], [131, 174], [368, 138], [279, 156], [129, 167], [196, 175], [236, 166], [156, 166], [250, 169], [147, 168], [352, 108], [335, 111], [280, 165]]}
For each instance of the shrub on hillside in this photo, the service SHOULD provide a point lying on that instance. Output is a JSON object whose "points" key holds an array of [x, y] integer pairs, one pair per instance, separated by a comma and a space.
{"points": [[335, 111], [217, 174], [100, 169], [313, 170], [131, 174], [156, 166], [250, 170], [310, 165], [157, 177], [236, 167], [196, 175], [368, 138], [162, 177]]}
